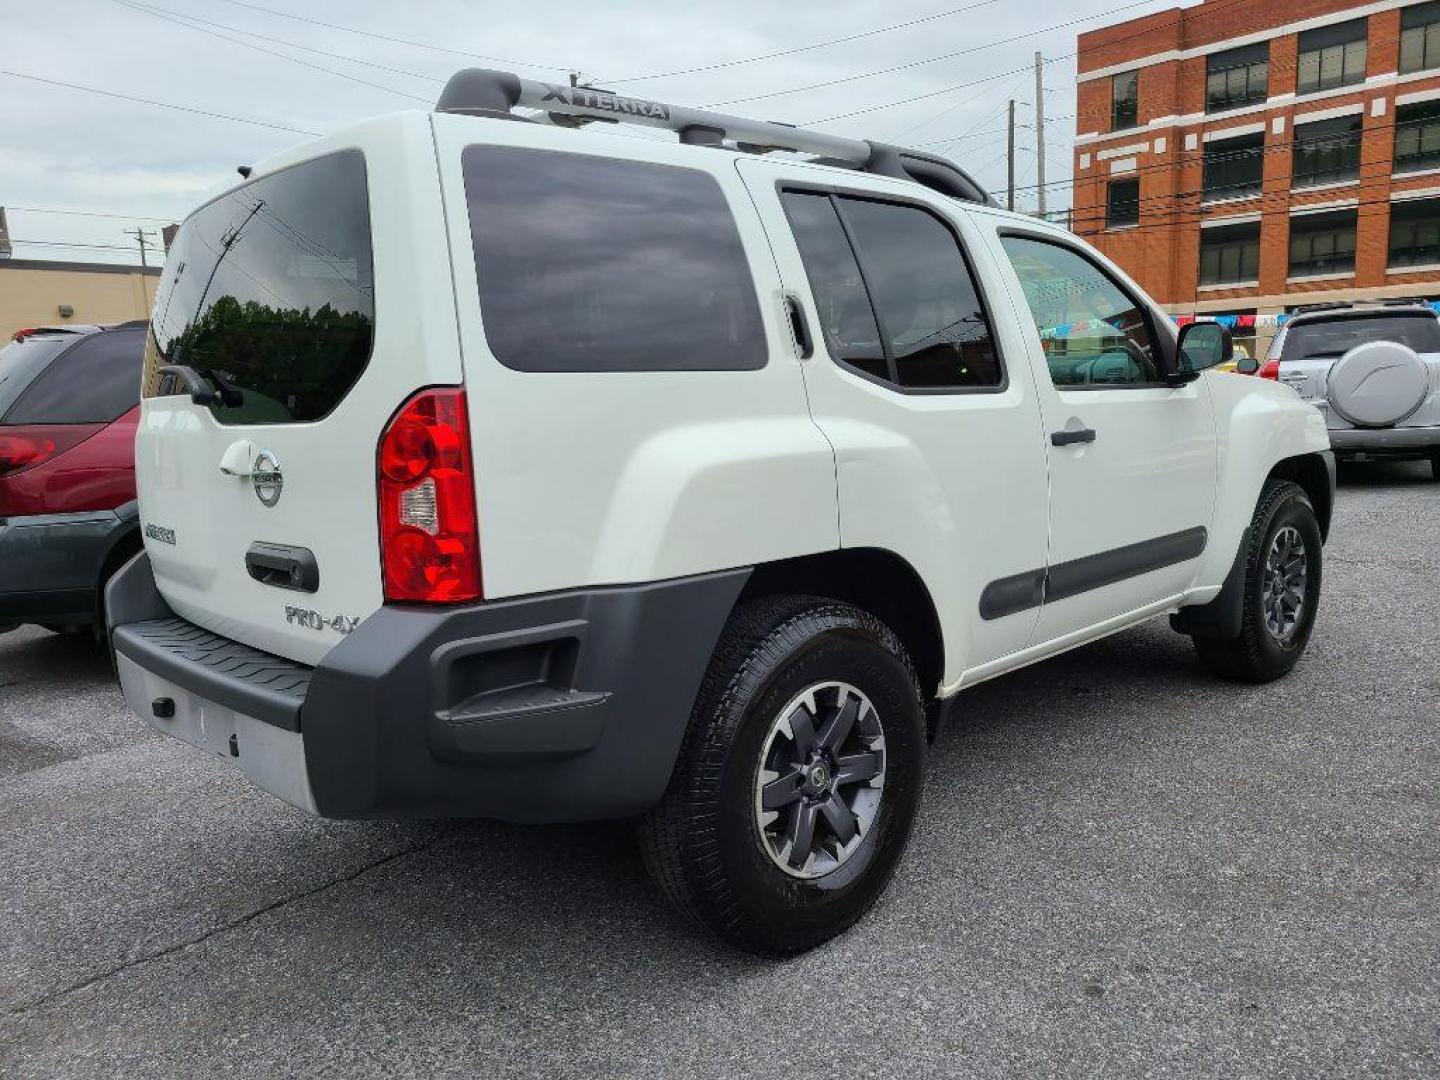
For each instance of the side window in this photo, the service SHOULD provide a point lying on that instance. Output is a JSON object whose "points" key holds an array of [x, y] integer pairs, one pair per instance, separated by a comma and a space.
{"points": [[893, 276], [597, 264], [1092, 331], [844, 311], [95, 381]]}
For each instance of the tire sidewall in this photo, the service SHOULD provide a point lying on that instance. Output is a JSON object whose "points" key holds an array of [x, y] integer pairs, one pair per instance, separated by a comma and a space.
{"points": [[807, 910]]}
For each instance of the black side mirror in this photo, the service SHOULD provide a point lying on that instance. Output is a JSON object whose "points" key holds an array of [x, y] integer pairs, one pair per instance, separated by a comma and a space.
{"points": [[1247, 365], [1204, 345]]}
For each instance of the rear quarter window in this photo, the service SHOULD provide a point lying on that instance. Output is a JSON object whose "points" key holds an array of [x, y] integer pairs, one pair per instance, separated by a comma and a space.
{"points": [[596, 264], [94, 381], [1333, 338]]}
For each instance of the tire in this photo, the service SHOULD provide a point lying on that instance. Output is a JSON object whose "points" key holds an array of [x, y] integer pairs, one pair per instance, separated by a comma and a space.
{"points": [[1435, 464], [1267, 647], [711, 845]]}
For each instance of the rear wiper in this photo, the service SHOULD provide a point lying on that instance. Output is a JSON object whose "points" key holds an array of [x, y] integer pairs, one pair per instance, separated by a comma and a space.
{"points": [[200, 391]]}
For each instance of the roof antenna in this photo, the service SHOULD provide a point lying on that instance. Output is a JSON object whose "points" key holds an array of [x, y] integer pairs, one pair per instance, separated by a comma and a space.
{"points": [[244, 171]]}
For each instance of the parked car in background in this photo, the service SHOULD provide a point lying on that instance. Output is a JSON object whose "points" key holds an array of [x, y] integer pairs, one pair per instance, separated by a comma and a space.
{"points": [[1372, 371], [69, 404]]}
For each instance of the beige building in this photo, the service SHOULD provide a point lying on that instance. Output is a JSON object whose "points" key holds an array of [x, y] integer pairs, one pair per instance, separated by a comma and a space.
{"points": [[41, 293]]}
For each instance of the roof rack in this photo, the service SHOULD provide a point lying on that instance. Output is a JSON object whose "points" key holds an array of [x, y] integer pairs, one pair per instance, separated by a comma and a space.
{"points": [[482, 92]]}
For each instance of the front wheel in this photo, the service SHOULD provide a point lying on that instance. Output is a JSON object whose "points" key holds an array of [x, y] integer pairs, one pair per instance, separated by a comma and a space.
{"points": [[1282, 590], [798, 778]]}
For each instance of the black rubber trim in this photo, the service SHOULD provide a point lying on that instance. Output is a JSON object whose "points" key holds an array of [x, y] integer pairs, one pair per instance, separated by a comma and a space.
{"points": [[1022, 592], [255, 683], [1096, 571]]}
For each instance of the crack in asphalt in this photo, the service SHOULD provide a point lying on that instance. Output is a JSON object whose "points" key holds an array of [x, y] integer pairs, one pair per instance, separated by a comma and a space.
{"points": [[23, 1007]]}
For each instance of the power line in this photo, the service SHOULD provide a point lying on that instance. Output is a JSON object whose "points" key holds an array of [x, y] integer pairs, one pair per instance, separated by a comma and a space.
{"points": [[158, 14], [804, 48], [928, 60], [399, 40], [158, 104], [288, 44], [90, 213]]}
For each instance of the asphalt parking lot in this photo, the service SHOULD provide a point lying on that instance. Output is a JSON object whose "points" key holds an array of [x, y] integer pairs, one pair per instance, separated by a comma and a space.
{"points": [[1122, 868]]}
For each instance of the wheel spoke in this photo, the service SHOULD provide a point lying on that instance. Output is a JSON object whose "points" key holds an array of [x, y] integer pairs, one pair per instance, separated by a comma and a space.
{"points": [[802, 731], [800, 832], [856, 768], [840, 818], [782, 792], [837, 729]]}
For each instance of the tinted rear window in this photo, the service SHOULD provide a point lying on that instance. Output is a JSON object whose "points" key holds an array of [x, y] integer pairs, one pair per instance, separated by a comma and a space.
{"points": [[1335, 337], [272, 287], [94, 381], [593, 264], [22, 361]]}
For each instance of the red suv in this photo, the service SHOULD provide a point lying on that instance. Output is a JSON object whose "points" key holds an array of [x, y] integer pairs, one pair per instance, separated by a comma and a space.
{"points": [[69, 405]]}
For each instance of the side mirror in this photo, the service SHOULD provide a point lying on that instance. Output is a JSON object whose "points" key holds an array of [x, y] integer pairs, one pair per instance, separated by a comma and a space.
{"points": [[1247, 365], [1203, 345]]}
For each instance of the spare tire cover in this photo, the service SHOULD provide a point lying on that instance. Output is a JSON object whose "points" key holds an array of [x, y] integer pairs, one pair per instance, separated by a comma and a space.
{"points": [[1377, 384]]}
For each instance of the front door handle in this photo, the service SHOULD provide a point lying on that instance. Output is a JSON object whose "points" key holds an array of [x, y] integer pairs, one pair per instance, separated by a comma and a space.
{"points": [[1070, 436]]}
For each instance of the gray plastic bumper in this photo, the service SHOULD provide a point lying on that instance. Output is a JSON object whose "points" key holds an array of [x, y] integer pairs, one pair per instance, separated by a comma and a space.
{"points": [[50, 563], [1381, 440], [563, 707]]}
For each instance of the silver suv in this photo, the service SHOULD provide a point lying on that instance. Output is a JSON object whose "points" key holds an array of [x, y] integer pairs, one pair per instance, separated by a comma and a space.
{"points": [[1373, 372]]}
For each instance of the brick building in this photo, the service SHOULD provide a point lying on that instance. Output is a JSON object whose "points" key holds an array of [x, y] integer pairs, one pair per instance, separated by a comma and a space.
{"points": [[1241, 158]]}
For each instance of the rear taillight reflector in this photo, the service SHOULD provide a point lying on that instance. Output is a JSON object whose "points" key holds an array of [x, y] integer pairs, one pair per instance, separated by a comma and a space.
{"points": [[1270, 370], [429, 536], [24, 447]]}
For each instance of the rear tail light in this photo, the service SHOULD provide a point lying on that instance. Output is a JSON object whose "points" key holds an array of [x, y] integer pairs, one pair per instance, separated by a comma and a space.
{"points": [[23, 447], [1270, 370], [429, 537]]}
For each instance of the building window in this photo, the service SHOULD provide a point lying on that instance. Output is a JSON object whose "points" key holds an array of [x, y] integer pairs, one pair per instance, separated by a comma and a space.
{"points": [[1415, 233], [1327, 151], [1234, 168], [1331, 56], [1417, 136], [1419, 38], [1322, 243], [1122, 204], [1237, 77], [1230, 254], [1124, 100]]}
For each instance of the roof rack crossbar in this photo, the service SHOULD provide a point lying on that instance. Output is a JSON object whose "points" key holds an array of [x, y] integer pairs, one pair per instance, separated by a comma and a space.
{"points": [[483, 92]]}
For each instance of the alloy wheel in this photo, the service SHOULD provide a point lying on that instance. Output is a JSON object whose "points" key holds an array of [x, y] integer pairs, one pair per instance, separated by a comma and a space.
{"points": [[821, 778], [1284, 587]]}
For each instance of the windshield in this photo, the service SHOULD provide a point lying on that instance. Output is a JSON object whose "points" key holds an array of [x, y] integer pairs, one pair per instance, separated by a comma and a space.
{"points": [[1336, 337], [270, 289]]}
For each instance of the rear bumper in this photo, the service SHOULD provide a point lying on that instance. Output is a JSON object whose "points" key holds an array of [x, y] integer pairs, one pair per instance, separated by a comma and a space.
{"points": [[50, 563], [564, 707], [1384, 440]]}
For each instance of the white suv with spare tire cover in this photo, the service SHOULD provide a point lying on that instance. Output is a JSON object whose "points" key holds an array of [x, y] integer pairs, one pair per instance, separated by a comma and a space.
{"points": [[1372, 371], [498, 468]]}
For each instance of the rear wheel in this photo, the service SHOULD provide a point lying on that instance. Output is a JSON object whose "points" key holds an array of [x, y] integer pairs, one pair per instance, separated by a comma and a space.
{"points": [[798, 779], [1282, 590]]}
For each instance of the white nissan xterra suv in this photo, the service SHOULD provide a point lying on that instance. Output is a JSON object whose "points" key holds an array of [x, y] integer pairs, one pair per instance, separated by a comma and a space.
{"points": [[497, 468]]}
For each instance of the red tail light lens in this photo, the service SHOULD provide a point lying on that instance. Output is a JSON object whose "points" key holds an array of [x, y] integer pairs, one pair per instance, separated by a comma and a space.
{"points": [[429, 537], [1270, 370], [22, 447]]}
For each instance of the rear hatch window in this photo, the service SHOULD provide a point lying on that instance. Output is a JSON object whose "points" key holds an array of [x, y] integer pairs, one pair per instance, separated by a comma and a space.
{"points": [[95, 380], [270, 289], [1333, 338]]}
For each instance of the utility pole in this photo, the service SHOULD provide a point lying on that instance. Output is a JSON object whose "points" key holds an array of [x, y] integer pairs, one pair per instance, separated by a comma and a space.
{"points": [[1040, 130], [142, 238], [1010, 159]]}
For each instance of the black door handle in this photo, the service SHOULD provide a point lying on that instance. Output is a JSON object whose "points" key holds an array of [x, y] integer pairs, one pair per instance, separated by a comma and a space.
{"points": [[1066, 438]]}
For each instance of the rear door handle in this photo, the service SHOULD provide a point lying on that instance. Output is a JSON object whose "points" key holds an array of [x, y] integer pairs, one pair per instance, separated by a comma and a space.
{"points": [[1069, 436]]}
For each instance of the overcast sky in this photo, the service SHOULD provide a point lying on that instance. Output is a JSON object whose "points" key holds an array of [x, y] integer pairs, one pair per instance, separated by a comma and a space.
{"points": [[67, 149]]}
